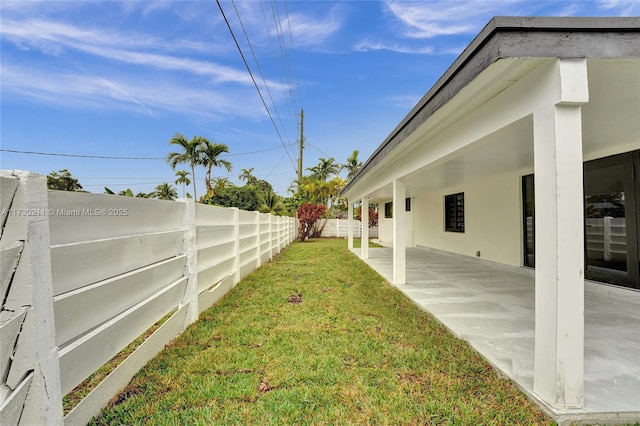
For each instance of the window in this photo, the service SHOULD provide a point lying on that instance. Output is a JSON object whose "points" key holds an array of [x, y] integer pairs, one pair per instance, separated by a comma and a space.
{"points": [[528, 216], [454, 212], [388, 210]]}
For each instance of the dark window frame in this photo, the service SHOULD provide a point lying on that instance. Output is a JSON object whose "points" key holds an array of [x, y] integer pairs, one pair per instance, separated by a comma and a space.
{"points": [[388, 210], [528, 207], [454, 220]]}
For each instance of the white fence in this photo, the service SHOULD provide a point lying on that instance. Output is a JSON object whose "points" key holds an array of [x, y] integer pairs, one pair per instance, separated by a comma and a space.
{"points": [[339, 227], [606, 238], [83, 275]]}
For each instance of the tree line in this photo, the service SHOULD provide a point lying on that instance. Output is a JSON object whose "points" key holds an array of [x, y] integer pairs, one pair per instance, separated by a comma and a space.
{"points": [[320, 187]]}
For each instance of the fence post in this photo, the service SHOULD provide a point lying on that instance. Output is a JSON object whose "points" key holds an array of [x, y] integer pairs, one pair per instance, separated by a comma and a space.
{"points": [[236, 233], [33, 372], [292, 229], [189, 248], [607, 238], [259, 262], [279, 225], [270, 236]]}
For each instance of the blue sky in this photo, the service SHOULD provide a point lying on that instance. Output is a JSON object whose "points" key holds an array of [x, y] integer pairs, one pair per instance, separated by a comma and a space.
{"points": [[119, 79]]}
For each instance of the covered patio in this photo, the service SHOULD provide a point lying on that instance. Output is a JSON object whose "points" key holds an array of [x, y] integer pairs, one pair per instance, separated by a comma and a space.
{"points": [[492, 307], [499, 165]]}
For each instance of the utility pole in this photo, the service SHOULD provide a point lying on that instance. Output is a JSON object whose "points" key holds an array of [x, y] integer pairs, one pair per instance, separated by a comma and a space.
{"points": [[301, 145]]}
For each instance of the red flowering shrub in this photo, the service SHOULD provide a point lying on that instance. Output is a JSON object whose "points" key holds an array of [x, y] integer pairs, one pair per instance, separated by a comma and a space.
{"points": [[373, 216], [308, 214]]}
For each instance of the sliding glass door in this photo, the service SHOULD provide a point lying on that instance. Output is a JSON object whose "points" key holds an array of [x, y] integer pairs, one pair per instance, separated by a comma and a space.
{"points": [[611, 220], [612, 223]]}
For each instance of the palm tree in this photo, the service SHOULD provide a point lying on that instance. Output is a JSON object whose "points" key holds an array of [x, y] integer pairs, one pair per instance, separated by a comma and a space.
{"points": [[270, 202], [191, 154], [248, 177], [218, 184], [352, 165], [165, 191], [183, 179], [325, 169], [209, 159]]}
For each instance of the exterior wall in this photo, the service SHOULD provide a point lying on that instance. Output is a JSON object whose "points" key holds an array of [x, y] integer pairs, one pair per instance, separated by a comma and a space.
{"points": [[492, 220], [385, 226]]}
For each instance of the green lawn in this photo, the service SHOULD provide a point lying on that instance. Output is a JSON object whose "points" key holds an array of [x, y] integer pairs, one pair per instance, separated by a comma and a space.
{"points": [[316, 337]]}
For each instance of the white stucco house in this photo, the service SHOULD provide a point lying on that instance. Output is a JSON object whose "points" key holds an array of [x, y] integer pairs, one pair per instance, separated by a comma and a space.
{"points": [[525, 154]]}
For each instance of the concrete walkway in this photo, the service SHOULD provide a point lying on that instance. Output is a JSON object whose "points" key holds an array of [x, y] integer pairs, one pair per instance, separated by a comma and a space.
{"points": [[492, 307]]}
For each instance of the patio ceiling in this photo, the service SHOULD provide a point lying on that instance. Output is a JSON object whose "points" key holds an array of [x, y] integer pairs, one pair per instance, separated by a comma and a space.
{"points": [[610, 125]]}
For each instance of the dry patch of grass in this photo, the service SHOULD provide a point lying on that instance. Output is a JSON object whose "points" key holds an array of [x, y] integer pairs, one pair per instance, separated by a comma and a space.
{"points": [[317, 337]]}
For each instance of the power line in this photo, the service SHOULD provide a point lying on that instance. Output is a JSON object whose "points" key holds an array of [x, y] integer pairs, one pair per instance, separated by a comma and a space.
{"points": [[256, 152], [254, 82], [104, 157], [124, 184], [281, 43], [293, 52], [264, 81], [274, 168], [321, 152], [119, 178]]}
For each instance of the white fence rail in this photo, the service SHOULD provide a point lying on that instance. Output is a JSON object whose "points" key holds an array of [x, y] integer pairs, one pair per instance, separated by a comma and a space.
{"points": [[84, 274], [606, 238], [339, 228]]}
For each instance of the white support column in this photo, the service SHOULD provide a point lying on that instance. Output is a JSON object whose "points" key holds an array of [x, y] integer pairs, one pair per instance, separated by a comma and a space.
{"points": [[364, 223], [559, 227], [399, 237], [350, 224]]}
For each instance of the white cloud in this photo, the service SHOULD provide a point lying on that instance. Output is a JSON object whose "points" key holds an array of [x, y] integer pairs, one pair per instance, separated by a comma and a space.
{"points": [[624, 7], [435, 18], [368, 45], [269, 24], [40, 32], [438, 18], [143, 96], [55, 39], [307, 30]]}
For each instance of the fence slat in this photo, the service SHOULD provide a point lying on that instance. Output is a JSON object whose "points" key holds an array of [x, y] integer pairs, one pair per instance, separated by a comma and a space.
{"points": [[81, 358], [81, 310], [86, 217], [99, 397], [13, 407], [79, 264]]}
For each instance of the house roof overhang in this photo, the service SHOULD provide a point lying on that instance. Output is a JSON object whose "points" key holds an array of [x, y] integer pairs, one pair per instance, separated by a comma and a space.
{"points": [[507, 46]]}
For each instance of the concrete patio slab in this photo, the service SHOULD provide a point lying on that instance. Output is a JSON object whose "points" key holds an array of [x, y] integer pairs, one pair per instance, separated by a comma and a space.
{"points": [[492, 307]]}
